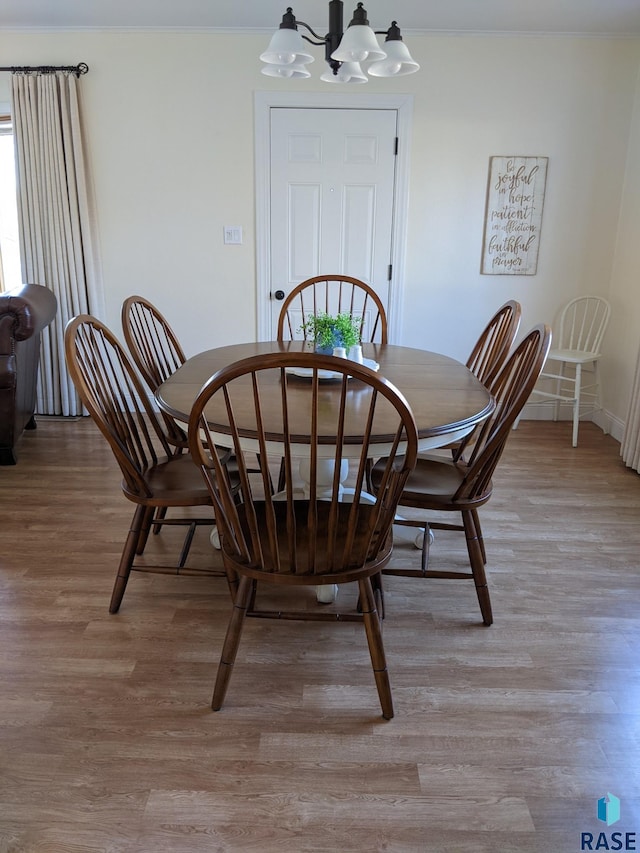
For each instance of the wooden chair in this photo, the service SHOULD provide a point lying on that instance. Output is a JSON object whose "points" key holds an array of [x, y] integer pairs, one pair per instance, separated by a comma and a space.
{"points": [[463, 485], [489, 355], [289, 539], [492, 347], [156, 351], [577, 346], [333, 294], [154, 476]]}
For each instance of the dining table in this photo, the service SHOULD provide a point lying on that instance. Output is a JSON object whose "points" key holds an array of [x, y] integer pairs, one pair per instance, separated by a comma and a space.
{"points": [[446, 398]]}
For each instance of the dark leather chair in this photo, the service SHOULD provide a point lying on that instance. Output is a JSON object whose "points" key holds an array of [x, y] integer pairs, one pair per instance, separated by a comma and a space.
{"points": [[24, 312]]}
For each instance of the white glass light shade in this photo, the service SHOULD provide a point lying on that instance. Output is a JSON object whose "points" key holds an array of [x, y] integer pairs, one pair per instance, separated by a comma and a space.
{"points": [[286, 48], [286, 71], [398, 62], [349, 72], [357, 44]]}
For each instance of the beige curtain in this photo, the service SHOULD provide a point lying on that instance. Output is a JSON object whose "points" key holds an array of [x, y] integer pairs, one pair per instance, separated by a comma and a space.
{"points": [[630, 447], [56, 218]]}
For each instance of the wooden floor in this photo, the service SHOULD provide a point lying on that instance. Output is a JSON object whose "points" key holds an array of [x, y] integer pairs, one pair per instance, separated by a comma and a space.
{"points": [[504, 738]]}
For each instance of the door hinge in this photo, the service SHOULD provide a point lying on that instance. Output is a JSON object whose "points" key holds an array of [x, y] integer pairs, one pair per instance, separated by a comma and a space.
{"points": [[389, 271], [396, 147]]}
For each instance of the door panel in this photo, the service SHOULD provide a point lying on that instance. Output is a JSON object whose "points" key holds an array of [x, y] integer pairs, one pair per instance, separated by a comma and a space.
{"points": [[358, 226], [332, 176], [303, 224]]}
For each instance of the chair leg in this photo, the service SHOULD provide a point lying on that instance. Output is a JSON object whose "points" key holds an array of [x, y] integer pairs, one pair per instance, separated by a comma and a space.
{"points": [[477, 567], [476, 521], [559, 384], [160, 515], [233, 582], [145, 529], [126, 560], [378, 594], [376, 649], [576, 405], [368, 473], [426, 544], [597, 401], [261, 463], [186, 545], [231, 641]]}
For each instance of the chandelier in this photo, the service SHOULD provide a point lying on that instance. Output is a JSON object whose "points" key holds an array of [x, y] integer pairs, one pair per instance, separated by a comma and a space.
{"points": [[288, 57]]}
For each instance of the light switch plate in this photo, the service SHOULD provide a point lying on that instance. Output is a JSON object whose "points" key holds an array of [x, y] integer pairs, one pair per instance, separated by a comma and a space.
{"points": [[233, 234]]}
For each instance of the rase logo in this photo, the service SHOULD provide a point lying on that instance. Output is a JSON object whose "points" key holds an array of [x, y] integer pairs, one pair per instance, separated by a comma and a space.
{"points": [[608, 812], [609, 809]]}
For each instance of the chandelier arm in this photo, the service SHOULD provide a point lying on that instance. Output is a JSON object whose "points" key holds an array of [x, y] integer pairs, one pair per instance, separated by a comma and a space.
{"points": [[323, 39], [311, 41]]}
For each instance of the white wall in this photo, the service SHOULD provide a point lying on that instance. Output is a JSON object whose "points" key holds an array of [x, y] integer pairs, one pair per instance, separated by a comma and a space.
{"points": [[169, 121]]}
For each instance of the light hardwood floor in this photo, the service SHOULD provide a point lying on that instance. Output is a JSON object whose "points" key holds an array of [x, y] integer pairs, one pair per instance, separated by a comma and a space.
{"points": [[503, 739]]}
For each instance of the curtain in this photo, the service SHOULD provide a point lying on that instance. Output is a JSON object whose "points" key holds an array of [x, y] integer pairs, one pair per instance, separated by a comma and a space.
{"points": [[58, 246], [630, 447]]}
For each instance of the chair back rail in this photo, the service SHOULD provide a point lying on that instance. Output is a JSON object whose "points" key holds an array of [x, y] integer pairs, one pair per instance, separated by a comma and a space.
{"points": [[333, 294], [152, 342], [112, 392], [511, 389], [583, 322], [155, 349], [495, 342]]}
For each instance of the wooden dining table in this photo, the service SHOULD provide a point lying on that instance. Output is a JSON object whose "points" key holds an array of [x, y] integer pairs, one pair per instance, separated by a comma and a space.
{"points": [[446, 399]]}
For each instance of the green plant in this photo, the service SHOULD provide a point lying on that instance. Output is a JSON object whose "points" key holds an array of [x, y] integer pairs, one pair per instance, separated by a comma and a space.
{"points": [[328, 332]]}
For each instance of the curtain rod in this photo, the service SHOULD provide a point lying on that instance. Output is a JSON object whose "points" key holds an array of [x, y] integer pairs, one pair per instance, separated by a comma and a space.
{"points": [[79, 69]]}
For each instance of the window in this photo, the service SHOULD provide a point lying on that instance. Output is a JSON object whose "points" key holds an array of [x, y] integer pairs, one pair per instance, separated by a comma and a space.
{"points": [[10, 269]]}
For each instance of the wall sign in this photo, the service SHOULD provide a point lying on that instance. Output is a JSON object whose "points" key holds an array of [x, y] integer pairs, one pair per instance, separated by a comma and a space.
{"points": [[513, 215]]}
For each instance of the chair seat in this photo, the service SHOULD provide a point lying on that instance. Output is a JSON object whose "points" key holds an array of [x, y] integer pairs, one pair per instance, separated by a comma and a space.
{"points": [[295, 567], [173, 481], [572, 356], [433, 483]]}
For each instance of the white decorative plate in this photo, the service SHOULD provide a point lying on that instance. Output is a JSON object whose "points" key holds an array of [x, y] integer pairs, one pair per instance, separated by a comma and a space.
{"points": [[307, 372]]}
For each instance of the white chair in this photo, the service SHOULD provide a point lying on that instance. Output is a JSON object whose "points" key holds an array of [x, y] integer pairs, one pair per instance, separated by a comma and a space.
{"points": [[578, 341]]}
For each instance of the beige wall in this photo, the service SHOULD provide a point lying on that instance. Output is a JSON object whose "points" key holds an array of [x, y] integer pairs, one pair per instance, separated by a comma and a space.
{"points": [[170, 129]]}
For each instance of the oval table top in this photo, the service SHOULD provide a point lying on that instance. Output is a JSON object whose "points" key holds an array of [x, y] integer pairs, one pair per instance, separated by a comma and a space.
{"points": [[446, 399]]}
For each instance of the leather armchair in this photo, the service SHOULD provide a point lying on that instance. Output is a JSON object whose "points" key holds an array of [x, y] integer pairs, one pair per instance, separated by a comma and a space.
{"points": [[24, 312]]}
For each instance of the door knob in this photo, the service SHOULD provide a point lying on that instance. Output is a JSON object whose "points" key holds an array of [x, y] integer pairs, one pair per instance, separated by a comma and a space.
{"points": [[279, 295]]}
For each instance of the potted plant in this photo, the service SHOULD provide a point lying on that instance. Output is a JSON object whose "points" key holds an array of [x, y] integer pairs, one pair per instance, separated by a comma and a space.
{"points": [[328, 332]]}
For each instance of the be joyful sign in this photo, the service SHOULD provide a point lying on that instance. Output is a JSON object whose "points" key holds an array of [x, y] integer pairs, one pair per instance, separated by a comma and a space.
{"points": [[513, 215]]}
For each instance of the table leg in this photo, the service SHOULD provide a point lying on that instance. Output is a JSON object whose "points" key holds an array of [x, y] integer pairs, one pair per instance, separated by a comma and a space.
{"points": [[325, 468]]}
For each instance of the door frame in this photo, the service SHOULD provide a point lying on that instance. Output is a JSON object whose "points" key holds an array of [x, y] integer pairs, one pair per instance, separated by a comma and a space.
{"points": [[264, 102]]}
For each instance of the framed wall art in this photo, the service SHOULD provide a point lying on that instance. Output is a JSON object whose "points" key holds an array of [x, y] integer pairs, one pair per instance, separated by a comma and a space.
{"points": [[513, 215]]}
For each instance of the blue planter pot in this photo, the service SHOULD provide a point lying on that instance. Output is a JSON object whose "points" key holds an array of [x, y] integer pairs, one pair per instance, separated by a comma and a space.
{"points": [[328, 350]]}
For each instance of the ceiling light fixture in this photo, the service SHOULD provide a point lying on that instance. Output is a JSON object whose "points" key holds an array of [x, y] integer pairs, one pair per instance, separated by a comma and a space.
{"points": [[287, 56]]}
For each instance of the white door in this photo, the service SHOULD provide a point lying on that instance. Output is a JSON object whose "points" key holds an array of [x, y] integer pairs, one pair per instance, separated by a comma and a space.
{"points": [[332, 176]]}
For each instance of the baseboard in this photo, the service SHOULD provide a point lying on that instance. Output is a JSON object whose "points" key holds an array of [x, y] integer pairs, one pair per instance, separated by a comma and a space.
{"points": [[60, 417], [610, 424], [607, 422]]}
